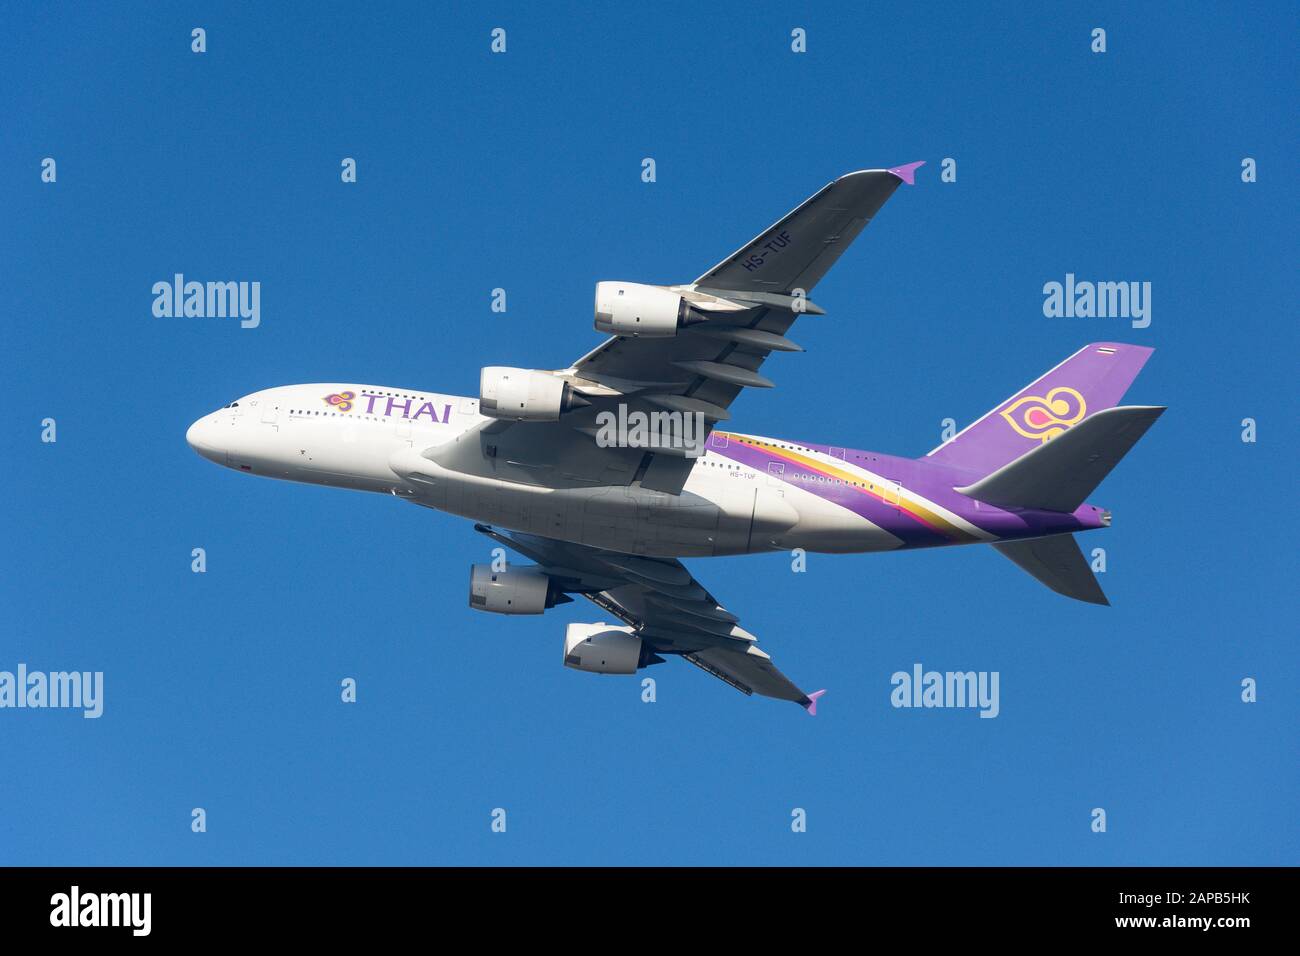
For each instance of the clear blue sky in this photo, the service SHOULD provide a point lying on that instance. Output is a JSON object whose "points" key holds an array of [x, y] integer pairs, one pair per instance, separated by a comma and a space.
{"points": [[523, 171]]}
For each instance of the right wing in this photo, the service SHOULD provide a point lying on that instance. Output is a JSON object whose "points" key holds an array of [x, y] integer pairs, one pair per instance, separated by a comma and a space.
{"points": [[669, 609]]}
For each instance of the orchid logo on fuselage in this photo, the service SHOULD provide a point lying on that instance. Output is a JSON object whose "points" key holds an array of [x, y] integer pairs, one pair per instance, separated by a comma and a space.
{"points": [[1045, 418], [389, 405]]}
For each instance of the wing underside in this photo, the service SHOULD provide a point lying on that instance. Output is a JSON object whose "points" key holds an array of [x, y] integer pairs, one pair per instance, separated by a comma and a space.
{"points": [[670, 611], [765, 285], [740, 312], [770, 276]]}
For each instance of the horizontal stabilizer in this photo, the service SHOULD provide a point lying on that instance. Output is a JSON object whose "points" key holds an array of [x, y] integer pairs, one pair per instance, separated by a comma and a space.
{"points": [[1093, 378], [1059, 474], [1058, 563]]}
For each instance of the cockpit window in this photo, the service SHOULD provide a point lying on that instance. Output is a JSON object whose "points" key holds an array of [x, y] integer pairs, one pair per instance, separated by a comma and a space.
{"points": [[232, 405]]}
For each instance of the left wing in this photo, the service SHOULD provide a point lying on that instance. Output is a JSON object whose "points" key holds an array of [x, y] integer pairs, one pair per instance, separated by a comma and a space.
{"points": [[731, 319], [749, 301], [667, 607]]}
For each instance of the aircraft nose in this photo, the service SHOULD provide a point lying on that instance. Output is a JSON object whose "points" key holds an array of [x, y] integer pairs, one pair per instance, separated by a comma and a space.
{"points": [[199, 436]]}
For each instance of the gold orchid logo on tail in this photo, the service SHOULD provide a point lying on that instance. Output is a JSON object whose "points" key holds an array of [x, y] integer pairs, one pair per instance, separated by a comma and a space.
{"points": [[1045, 418]]}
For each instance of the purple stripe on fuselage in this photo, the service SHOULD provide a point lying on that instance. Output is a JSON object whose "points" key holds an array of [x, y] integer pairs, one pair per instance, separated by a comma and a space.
{"points": [[925, 479], [857, 500]]}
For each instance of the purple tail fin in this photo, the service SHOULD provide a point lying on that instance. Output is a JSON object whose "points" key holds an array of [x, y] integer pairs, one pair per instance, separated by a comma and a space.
{"points": [[1093, 378]]}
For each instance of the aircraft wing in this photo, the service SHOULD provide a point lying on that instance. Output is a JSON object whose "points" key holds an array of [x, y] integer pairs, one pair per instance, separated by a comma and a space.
{"points": [[671, 612], [750, 300], [791, 254]]}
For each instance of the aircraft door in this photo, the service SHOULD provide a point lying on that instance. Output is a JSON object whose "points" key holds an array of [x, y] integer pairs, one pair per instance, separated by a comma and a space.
{"points": [[776, 474], [270, 412], [891, 490]]}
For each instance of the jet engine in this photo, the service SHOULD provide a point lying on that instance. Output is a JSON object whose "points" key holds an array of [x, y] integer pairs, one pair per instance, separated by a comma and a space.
{"points": [[647, 311], [524, 590], [603, 649], [525, 395]]}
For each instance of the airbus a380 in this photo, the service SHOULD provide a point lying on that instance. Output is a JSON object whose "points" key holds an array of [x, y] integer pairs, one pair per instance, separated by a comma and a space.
{"points": [[609, 520]]}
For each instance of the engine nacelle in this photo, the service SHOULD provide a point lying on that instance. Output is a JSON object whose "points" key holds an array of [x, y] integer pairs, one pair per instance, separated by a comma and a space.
{"points": [[647, 311], [525, 395], [525, 590], [602, 649]]}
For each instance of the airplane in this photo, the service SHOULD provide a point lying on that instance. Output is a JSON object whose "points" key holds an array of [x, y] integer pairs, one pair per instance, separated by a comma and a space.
{"points": [[608, 514]]}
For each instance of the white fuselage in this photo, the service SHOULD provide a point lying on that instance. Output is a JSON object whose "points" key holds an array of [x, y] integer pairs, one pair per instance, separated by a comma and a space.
{"points": [[372, 438]]}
